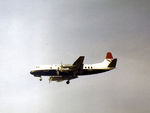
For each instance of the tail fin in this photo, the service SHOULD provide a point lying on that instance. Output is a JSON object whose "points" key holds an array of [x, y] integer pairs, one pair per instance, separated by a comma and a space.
{"points": [[109, 55], [113, 61]]}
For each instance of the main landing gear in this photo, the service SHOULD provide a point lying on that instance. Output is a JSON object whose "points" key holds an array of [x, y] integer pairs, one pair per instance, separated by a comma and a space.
{"points": [[40, 78], [50, 79], [67, 82]]}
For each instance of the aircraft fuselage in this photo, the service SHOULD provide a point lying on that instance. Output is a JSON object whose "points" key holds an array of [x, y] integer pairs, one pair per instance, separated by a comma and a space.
{"points": [[67, 72]]}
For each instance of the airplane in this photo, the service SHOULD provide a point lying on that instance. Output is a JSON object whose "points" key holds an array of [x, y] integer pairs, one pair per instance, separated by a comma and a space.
{"points": [[67, 72]]}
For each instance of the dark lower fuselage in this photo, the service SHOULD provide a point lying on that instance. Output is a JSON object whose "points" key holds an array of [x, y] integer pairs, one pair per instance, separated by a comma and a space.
{"points": [[39, 73]]}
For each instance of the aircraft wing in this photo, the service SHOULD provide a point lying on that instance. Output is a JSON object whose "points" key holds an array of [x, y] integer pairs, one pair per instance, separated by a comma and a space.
{"points": [[78, 64]]}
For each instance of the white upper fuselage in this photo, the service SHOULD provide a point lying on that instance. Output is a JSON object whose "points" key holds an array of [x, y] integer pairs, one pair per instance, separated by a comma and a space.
{"points": [[96, 66]]}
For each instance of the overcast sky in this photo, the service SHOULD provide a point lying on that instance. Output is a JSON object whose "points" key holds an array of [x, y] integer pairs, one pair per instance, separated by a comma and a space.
{"points": [[34, 32]]}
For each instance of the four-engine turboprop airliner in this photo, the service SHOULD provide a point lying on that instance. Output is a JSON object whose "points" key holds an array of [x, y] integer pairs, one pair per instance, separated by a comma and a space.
{"points": [[67, 72]]}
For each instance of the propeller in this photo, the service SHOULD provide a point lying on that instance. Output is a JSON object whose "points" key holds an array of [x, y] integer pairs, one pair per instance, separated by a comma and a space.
{"points": [[61, 67]]}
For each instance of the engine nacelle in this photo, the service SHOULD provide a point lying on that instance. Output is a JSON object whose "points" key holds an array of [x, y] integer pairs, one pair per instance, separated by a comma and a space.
{"points": [[57, 78]]}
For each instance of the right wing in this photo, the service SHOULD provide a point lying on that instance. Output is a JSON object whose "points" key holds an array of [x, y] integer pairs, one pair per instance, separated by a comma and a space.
{"points": [[78, 64]]}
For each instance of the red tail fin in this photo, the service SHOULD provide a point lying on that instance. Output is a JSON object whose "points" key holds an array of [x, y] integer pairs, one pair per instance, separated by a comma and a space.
{"points": [[109, 55]]}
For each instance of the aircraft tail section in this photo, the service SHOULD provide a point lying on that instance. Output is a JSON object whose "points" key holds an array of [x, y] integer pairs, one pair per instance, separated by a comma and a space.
{"points": [[112, 61], [109, 55]]}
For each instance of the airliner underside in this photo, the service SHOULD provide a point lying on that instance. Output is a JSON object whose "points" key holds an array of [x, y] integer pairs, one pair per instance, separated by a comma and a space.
{"points": [[67, 72]]}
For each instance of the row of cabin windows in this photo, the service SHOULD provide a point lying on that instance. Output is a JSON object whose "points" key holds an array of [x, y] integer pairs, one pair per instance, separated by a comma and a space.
{"points": [[88, 67], [39, 67], [85, 67]]}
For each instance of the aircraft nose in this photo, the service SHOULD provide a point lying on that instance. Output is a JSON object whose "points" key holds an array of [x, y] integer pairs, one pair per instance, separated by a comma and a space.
{"points": [[32, 72]]}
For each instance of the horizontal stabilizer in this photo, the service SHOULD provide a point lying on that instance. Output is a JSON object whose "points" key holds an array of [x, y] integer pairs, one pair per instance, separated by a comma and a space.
{"points": [[113, 63]]}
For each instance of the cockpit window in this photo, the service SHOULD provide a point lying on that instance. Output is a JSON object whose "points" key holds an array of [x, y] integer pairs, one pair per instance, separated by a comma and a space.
{"points": [[37, 66]]}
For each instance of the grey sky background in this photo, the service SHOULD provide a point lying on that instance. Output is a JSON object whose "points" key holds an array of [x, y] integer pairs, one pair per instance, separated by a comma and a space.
{"points": [[34, 32]]}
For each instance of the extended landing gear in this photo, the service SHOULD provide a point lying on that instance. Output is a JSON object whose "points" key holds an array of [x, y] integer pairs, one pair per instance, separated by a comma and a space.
{"points": [[40, 78], [67, 82], [50, 79]]}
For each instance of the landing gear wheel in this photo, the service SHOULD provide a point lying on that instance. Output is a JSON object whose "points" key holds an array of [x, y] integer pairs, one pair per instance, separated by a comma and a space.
{"points": [[40, 78], [67, 82]]}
